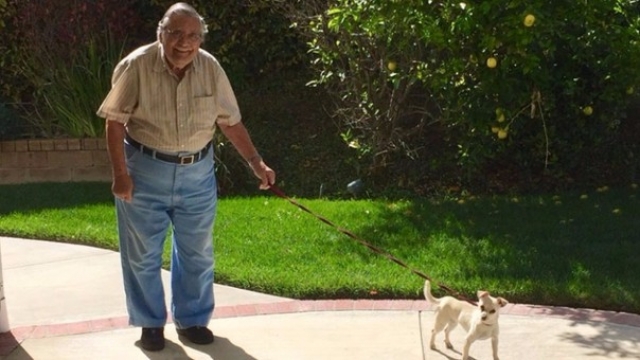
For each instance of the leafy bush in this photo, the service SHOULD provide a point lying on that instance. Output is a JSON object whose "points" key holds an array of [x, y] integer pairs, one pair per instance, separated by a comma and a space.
{"points": [[250, 38], [48, 46], [55, 59], [9, 126], [76, 90], [530, 85]]}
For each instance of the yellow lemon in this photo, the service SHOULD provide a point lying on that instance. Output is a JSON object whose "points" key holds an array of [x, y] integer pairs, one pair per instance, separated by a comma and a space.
{"points": [[587, 110], [392, 66], [529, 20], [502, 134], [492, 62], [495, 129], [501, 118]]}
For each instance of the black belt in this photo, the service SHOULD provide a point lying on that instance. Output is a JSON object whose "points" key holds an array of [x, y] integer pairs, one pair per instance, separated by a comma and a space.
{"points": [[176, 159]]}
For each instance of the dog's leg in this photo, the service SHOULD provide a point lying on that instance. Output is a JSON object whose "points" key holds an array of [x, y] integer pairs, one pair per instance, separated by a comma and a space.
{"points": [[447, 330], [467, 344], [438, 326], [494, 347], [432, 342], [465, 350]]}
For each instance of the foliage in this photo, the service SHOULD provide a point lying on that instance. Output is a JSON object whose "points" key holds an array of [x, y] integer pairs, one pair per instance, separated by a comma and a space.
{"points": [[76, 90], [58, 46], [289, 124], [249, 37], [51, 45], [9, 128], [417, 107], [556, 87]]}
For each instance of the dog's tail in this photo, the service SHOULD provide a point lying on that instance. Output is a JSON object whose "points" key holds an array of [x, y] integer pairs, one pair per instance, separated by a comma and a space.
{"points": [[427, 293]]}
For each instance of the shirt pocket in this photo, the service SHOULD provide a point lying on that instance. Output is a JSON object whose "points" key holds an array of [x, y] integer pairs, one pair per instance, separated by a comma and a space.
{"points": [[204, 111]]}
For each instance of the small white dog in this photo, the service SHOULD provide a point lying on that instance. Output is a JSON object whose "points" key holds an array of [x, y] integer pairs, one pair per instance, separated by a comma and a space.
{"points": [[480, 322]]}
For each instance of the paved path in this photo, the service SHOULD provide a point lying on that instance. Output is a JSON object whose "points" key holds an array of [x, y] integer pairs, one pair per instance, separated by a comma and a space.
{"points": [[66, 302]]}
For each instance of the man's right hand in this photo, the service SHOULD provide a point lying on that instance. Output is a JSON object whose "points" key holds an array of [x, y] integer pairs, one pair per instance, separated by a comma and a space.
{"points": [[122, 187]]}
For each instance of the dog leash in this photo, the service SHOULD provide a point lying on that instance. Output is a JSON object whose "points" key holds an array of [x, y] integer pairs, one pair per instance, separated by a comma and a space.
{"points": [[371, 247]]}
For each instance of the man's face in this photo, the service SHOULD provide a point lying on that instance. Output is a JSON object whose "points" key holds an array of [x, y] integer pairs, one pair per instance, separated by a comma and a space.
{"points": [[181, 39]]}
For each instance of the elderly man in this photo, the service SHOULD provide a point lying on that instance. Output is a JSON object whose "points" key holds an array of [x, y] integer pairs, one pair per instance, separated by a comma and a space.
{"points": [[166, 100]]}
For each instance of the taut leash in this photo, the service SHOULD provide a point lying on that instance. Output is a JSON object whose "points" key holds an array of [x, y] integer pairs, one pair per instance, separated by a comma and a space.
{"points": [[371, 247]]}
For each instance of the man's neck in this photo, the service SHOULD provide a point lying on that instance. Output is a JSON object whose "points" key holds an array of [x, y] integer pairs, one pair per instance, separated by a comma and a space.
{"points": [[179, 72]]}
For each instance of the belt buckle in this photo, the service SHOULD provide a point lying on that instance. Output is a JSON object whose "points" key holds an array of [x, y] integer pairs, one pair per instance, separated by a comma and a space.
{"points": [[187, 160]]}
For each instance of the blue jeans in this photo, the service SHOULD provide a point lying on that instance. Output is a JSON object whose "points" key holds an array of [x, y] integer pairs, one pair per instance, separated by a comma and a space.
{"points": [[181, 198]]}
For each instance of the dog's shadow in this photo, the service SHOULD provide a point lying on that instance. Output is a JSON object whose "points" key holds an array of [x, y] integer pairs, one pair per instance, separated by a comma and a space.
{"points": [[437, 350], [443, 354]]}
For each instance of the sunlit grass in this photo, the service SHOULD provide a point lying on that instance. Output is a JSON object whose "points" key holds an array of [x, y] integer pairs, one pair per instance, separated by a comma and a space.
{"points": [[571, 249]]}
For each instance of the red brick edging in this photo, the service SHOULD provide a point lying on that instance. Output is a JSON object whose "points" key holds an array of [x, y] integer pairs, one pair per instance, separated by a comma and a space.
{"points": [[12, 339]]}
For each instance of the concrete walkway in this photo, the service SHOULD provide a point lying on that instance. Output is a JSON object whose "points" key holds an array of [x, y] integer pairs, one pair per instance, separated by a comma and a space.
{"points": [[67, 302]]}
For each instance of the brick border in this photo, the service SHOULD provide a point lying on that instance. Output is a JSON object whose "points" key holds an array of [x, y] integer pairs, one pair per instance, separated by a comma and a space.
{"points": [[12, 339], [55, 160]]}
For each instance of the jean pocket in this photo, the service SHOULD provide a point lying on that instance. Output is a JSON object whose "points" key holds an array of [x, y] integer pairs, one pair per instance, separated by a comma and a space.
{"points": [[130, 153]]}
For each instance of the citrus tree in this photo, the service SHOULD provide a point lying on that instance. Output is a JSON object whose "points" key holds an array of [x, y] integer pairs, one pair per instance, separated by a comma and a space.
{"points": [[539, 84]]}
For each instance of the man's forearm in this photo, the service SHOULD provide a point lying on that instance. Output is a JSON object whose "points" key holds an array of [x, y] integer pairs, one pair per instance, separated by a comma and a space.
{"points": [[115, 147], [241, 140]]}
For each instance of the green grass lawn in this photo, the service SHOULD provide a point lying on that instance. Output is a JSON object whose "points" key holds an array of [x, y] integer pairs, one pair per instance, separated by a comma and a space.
{"points": [[571, 249]]}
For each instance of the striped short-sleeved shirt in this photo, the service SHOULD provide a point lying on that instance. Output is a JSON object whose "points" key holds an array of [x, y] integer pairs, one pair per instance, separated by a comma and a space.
{"points": [[163, 112]]}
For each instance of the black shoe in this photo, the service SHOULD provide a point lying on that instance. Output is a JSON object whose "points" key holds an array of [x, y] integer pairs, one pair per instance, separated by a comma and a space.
{"points": [[197, 334], [152, 339]]}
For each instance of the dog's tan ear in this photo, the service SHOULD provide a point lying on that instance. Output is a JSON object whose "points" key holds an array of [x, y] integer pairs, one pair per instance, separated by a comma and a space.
{"points": [[502, 301], [482, 294]]}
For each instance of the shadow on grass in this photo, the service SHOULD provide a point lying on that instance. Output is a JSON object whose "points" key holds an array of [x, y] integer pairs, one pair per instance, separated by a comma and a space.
{"points": [[26, 198], [67, 212], [552, 250]]}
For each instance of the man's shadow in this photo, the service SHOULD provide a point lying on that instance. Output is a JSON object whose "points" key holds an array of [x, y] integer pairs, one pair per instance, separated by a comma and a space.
{"points": [[221, 349]]}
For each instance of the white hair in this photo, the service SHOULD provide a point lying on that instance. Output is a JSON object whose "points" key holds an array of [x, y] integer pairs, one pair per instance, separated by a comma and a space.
{"points": [[182, 9]]}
